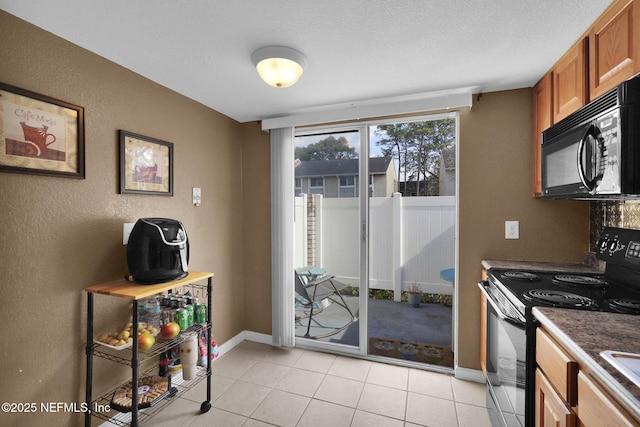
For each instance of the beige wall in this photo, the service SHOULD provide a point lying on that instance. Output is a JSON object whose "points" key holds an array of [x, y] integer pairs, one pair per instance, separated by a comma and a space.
{"points": [[61, 235], [256, 223], [495, 186]]}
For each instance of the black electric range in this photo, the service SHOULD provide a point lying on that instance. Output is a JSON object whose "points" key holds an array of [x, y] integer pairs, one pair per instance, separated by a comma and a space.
{"points": [[510, 334], [566, 290]]}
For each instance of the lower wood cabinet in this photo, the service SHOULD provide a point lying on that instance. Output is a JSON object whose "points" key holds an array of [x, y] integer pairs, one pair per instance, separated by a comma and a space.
{"points": [[551, 409], [566, 394], [596, 408], [558, 366]]}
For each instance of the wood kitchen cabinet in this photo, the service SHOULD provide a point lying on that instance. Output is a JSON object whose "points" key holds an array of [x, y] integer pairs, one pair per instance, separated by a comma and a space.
{"points": [[556, 384], [570, 84], [596, 408], [605, 56], [614, 47], [551, 410], [566, 394], [542, 119], [559, 93]]}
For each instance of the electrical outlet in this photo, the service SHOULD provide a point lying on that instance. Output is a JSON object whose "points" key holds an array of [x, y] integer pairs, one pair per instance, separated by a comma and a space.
{"points": [[126, 231], [512, 229]]}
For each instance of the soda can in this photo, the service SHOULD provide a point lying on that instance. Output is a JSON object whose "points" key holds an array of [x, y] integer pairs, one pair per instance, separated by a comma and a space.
{"points": [[190, 314], [182, 318], [201, 314]]}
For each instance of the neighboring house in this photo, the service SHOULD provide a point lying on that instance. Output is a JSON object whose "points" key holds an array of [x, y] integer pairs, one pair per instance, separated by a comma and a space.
{"points": [[339, 178]]}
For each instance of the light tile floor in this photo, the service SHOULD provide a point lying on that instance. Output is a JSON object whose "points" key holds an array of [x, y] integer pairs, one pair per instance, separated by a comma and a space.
{"points": [[258, 385]]}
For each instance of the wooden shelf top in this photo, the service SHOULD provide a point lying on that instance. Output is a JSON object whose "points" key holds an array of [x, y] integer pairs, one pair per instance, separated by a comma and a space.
{"points": [[125, 289]]}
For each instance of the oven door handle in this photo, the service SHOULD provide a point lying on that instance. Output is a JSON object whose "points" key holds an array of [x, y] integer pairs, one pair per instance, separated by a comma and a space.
{"points": [[499, 312]]}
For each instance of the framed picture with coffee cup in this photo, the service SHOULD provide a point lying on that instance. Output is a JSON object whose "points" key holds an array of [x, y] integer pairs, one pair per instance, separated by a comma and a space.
{"points": [[146, 165], [40, 135]]}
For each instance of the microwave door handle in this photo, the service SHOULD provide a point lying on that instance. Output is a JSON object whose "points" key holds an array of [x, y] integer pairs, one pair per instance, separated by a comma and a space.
{"points": [[589, 184]]}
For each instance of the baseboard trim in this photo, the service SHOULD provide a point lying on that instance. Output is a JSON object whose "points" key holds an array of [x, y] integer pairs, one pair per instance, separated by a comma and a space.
{"points": [[244, 336], [467, 374]]}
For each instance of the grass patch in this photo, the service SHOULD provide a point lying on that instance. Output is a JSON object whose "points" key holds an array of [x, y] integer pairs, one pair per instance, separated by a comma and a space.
{"points": [[446, 300]]}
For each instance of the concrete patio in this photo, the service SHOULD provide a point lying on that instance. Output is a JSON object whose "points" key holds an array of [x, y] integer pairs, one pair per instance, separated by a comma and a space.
{"points": [[430, 323]]}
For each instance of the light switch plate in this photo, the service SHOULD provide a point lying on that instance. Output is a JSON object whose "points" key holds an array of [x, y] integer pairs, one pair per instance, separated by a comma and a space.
{"points": [[126, 231], [512, 229], [197, 196]]}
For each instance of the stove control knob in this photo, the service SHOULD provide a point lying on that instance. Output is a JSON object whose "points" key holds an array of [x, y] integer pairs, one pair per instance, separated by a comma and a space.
{"points": [[613, 245], [603, 244]]}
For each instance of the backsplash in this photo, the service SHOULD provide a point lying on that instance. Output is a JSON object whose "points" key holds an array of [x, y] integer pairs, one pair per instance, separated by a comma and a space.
{"points": [[621, 214]]}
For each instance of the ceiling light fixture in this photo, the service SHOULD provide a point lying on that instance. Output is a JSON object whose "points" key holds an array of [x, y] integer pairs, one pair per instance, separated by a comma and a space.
{"points": [[279, 66]]}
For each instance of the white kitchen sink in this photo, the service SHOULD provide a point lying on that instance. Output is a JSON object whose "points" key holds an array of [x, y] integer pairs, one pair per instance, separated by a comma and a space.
{"points": [[627, 363]]}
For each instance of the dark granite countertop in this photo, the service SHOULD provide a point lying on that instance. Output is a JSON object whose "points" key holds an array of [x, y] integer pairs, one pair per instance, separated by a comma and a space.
{"points": [[585, 334], [541, 266]]}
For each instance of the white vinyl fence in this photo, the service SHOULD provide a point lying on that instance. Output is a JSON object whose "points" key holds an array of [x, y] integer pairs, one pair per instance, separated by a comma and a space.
{"points": [[411, 240]]}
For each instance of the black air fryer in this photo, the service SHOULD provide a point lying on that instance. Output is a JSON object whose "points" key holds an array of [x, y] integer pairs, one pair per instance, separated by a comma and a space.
{"points": [[158, 251]]}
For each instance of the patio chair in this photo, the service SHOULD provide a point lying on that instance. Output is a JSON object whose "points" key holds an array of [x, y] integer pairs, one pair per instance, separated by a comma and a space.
{"points": [[318, 290]]}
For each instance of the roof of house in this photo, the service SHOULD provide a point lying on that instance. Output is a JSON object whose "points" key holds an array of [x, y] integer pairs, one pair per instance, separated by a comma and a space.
{"points": [[377, 165]]}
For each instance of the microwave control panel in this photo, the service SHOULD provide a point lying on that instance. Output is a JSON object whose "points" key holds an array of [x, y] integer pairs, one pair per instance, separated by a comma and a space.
{"points": [[608, 124]]}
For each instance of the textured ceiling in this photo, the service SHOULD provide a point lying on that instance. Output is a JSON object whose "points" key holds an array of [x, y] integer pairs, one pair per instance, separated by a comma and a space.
{"points": [[357, 50]]}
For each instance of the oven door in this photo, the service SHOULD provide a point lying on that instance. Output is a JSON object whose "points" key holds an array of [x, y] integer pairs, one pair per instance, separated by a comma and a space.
{"points": [[505, 363]]}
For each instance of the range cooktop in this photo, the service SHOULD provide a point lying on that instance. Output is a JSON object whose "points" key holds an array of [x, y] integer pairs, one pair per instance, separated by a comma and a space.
{"points": [[565, 290], [617, 290]]}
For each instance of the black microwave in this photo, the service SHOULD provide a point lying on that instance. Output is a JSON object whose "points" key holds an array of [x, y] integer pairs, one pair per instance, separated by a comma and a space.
{"points": [[594, 153]]}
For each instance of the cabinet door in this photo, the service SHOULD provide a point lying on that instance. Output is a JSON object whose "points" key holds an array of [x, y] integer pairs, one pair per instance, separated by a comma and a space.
{"points": [[570, 81], [558, 366], [542, 119], [595, 408], [551, 410], [614, 47]]}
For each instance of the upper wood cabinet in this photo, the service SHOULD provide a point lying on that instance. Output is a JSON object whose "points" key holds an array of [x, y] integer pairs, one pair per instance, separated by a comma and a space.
{"points": [[605, 56], [614, 47], [570, 83], [542, 119]]}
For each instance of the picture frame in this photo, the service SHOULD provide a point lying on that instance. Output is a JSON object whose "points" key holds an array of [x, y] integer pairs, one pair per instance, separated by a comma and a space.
{"points": [[146, 165], [40, 135]]}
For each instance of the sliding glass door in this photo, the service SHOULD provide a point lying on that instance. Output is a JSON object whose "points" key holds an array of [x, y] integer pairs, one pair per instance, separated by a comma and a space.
{"points": [[330, 234], [412, 239], [374, 228]]}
